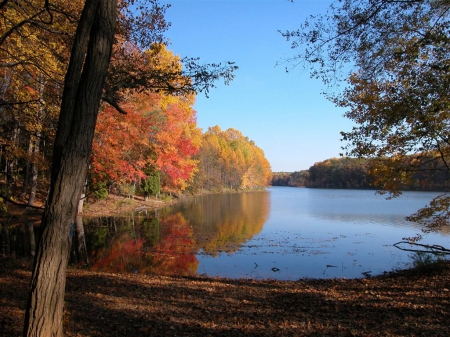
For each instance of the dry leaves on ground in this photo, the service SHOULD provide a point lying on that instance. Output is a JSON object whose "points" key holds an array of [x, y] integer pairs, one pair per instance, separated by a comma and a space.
{"points": [[408, 303]]}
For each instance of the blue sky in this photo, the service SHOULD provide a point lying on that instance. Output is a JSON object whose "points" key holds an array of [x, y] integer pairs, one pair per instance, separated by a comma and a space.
{"points": [[284, 113]]}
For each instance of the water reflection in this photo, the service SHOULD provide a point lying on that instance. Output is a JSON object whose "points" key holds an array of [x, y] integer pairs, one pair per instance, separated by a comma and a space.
{"points": [[222, 223], [169, 242], [285, 233], [18, 239], [142, 244]]}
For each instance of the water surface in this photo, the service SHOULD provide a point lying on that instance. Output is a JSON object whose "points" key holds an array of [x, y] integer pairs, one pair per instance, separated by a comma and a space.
{"points": [[282, 233]]}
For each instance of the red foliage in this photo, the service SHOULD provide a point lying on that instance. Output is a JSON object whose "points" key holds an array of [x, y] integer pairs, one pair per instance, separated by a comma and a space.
{"points": [[157, 131]]}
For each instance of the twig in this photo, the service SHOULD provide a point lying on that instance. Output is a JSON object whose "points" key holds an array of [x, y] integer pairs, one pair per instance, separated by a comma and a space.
{"points": [[440, 249]]}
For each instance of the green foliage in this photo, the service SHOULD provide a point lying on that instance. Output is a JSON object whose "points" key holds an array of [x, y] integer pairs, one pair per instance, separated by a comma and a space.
{"points": [[99, 190], [151, 231], [130, 190], [99, 237], [151, 186], [166, 197]]}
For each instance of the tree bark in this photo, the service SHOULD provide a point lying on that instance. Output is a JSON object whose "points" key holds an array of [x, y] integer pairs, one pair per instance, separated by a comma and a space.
{"points": [[79, 108]]}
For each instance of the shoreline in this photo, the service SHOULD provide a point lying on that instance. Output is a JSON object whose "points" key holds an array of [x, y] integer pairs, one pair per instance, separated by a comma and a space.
{"points": [[114, 205]]}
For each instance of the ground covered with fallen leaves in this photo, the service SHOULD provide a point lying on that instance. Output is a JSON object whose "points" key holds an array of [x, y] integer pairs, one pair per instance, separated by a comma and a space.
{"points": [[405, 303]]}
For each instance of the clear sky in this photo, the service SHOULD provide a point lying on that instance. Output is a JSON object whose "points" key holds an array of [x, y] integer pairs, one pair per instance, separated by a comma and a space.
{"points": [[284, 113]]}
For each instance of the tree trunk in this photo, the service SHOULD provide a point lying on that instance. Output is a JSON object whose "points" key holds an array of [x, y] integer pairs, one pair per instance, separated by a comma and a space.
{"points": [[82, 197], [26, 178], [79, 108], [35, 141], [34, 181]]}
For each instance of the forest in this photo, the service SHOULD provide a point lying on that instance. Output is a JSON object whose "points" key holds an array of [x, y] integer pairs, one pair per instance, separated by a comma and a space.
{"points": [[154, 146], [419, 172]]}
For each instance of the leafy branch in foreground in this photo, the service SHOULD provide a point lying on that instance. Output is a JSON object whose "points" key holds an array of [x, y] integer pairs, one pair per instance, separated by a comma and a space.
{"points": [[395, 58]]}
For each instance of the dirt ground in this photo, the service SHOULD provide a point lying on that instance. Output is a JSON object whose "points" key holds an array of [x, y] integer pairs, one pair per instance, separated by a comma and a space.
{"points": [[406, 303], [114, 205]]}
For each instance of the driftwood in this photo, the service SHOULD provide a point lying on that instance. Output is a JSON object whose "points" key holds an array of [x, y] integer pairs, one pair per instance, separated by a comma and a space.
{"points": [[433, 249]]}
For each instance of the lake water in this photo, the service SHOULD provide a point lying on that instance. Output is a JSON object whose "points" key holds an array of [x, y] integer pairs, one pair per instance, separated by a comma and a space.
{"points": [[282, 233]]}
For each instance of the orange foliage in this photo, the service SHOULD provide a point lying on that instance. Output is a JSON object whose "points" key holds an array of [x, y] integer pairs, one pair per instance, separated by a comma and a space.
{"points": [[159, 131], [175, 252]]}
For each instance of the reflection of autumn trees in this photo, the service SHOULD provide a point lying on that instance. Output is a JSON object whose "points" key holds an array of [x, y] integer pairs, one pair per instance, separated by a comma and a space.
{"points": [[17, 239], [114, 244], [224, 222], [168, 245], [122, 254], [144, 245], [174, 253]]}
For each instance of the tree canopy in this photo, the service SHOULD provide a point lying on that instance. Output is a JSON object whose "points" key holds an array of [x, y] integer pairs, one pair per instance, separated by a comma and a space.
{"points": [[395, 59], [228, 159], [36, 38]]}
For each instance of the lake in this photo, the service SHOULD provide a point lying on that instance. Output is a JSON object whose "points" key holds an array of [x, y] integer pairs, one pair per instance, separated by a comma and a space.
{"points": [[282, 233]]}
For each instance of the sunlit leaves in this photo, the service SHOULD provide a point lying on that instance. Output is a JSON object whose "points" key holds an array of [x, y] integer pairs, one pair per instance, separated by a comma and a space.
{"points": [[158, 133], [34, 47], [35, 41], [228, 159]]}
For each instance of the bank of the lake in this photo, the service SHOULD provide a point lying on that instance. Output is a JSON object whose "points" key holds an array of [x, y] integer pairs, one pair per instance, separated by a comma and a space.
{"points": [[406, 303], [114, 205]]}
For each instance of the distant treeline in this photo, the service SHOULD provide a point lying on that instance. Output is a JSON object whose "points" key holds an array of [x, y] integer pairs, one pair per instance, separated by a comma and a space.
{"points": [[425, 174]]}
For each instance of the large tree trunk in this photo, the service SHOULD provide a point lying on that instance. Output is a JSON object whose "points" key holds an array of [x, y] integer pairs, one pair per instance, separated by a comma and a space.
{"points": [[81, 98]]}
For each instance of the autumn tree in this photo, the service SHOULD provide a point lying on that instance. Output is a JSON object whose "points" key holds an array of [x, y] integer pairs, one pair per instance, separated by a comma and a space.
{"points": [[228, 159], [88, 79], [395, 57], [32, 68], [36, 37], [156, 138]]}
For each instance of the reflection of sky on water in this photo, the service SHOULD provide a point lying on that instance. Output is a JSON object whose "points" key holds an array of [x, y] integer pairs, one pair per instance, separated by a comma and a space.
{"points": [[326, 233]]}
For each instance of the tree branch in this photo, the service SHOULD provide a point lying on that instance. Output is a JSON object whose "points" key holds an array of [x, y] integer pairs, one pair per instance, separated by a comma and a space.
{"points": [[440, 249], [4, 197]]}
